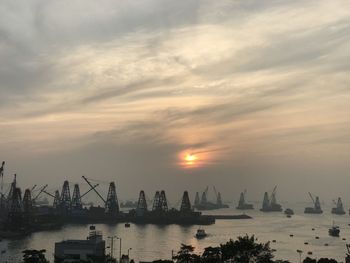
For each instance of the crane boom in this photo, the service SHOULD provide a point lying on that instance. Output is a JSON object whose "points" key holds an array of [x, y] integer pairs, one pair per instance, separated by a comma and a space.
{"points": [[274, 190], [313, 200], [216, 193], [41, 190], [93, 188], [48, 193]]}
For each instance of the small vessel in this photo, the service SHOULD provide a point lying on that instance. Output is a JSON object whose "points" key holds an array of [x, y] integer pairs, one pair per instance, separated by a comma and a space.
{"points": [[127, 224], [317, 206], [334, 231], [242, 205], [339, 209], [289, 212], [201, 233]]}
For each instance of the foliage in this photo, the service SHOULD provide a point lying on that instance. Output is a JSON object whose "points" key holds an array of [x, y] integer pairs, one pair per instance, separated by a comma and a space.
{"points": [[211, 255], [326, 260], [321, 260], [185, 255], [245, 250], [309, 260], [34, 256]]}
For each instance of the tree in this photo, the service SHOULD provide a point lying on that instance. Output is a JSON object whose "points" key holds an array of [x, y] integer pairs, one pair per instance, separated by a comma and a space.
{"points": [[34, 256], [327, 260], [185, 255], [309, 260], [245, 250], [211, 255]]}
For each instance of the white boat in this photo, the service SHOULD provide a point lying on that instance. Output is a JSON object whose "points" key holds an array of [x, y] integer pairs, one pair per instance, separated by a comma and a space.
{"points": [[201, 233]]}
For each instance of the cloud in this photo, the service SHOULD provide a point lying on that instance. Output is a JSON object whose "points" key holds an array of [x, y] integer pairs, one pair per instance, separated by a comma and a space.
{"points": [[140, 82]]}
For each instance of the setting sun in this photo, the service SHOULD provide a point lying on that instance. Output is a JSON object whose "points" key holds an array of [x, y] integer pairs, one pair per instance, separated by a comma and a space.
{"points": [[190, 158]]}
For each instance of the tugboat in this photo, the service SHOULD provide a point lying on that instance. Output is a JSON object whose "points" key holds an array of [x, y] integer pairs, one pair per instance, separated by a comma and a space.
{"points": [[339, 209], [317, 206], [289, 212], [200, 233], [334, 231], [242, 205]]}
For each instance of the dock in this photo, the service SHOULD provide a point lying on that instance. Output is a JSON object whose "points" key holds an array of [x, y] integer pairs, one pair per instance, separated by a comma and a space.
{"points": [[242, 216]]}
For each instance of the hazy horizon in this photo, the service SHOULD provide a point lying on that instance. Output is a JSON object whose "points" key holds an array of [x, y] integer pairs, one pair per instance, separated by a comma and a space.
{"points": [[178, 95]]}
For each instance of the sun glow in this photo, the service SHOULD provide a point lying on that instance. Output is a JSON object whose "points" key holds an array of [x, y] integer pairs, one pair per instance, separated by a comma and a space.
{"points": [[198, 158], [190, 159]]}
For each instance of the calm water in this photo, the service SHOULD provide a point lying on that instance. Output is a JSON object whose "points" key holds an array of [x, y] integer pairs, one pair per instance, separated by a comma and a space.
{"points": [[151, 242]]}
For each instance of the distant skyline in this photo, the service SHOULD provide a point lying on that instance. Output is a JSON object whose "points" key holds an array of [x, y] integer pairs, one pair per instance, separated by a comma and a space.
{"points": [[178, 95]]}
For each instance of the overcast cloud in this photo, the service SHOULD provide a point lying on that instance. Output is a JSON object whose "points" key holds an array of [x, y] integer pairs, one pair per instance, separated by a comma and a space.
{"points": [[118, 90]]}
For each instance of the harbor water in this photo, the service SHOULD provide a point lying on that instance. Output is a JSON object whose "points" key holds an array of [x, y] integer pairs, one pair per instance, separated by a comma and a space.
{"points": [[150, 242]]}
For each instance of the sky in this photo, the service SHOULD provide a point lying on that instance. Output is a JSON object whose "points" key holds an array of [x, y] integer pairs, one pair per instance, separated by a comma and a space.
{"points": [[178, 95]]}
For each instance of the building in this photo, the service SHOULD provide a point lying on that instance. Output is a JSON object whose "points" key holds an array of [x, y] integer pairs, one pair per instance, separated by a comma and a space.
{"points": [[92, 249]]}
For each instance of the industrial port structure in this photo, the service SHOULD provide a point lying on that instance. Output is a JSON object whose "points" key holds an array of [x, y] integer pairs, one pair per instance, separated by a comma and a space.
{"points": [[20, 215]]}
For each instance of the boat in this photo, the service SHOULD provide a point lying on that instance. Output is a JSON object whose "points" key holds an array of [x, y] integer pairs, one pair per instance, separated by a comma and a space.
{"points": [[271, 205], [289, 212], [339, 209], [334, 231], [127, 224], [201, 233], [316, 209], [242, 205]]}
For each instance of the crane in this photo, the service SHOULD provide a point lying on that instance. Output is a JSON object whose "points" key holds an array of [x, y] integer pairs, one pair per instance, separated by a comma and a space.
{"points": [[53, 196], [244, 193], [2, 168], [206, 191], [94, 189], [216, 193], [42, 189], [274, 190], [48, 193], [312, 198]]}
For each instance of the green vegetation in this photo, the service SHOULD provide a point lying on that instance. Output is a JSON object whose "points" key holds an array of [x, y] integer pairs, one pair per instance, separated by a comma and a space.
{"points": [[244, 249], [34, 256]]}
